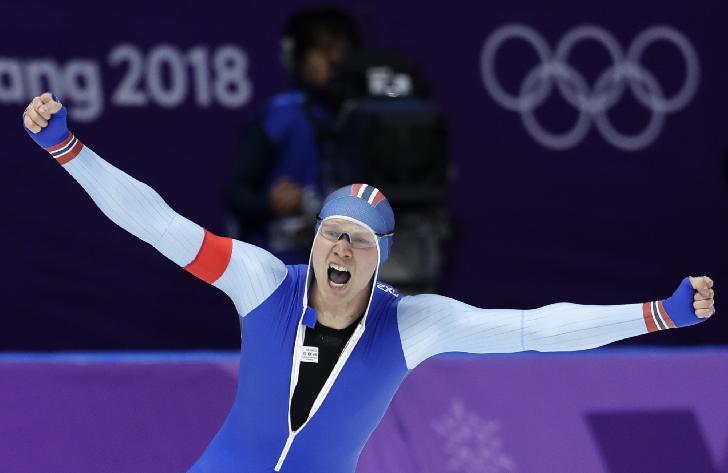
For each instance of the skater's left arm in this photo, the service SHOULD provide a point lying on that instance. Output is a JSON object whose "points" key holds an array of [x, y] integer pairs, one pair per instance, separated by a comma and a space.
{"points": [[430, 324]]}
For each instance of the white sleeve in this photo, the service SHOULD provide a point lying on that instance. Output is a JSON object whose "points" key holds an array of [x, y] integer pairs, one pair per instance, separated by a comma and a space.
{"points": [[251, 276], [136, 207], [430, 324], [246, 273]]}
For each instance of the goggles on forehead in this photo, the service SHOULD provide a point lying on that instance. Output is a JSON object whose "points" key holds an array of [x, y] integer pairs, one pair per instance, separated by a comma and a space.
{"points": [[363, 238]]}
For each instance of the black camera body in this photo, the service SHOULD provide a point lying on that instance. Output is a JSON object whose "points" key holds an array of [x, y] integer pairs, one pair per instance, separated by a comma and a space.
{"points": [[391, 135]]}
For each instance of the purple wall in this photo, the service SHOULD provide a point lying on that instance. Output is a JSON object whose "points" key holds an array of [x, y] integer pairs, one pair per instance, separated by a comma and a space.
{"points": [[601, 411], [589, 224]]}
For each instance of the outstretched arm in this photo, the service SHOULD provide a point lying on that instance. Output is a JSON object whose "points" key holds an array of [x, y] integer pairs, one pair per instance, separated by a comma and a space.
{"points": [[246, 273], [430, 324]]}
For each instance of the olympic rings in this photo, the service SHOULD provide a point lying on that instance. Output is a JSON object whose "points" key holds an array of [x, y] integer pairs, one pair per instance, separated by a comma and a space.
{"points": [[592, 103]]}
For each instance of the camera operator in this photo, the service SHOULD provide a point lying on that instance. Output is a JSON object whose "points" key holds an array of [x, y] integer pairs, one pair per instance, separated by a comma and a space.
{"points": [[277, 183]]}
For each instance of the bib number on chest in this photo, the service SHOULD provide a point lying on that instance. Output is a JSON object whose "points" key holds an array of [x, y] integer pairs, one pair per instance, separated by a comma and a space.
{"points": [[310, 354]]}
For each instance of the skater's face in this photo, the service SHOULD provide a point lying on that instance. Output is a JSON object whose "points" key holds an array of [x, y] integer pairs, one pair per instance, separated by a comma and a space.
{"points": [[344, 258]]}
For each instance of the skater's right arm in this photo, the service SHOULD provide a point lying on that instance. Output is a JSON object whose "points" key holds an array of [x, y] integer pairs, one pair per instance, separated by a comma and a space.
{"points": [[246, 273]]}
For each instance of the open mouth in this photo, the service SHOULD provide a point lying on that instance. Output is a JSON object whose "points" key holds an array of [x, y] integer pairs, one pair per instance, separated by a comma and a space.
{"points": [[338, 275]]}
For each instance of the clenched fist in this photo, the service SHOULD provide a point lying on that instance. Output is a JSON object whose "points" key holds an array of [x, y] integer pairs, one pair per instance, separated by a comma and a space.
{"points": [[691, 303], [45, 121], [39, 112], [703, 299]]}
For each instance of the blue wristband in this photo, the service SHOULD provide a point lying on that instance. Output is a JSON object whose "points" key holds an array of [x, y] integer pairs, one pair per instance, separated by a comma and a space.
{"points": [[679, 306], [55, 132]]}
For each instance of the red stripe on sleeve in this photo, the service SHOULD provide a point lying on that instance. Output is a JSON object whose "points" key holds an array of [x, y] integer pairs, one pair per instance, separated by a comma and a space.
{"points": [[665, 317], [647, 315], [212, 259], [62, 144], [355, 189], [71, 154]]}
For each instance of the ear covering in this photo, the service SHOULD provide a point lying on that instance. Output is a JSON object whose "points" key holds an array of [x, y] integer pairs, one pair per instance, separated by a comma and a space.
{"points": [[367, 205]]}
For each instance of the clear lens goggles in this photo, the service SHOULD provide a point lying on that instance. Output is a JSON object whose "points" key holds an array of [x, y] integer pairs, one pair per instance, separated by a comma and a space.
{"points": [[361, 239]]}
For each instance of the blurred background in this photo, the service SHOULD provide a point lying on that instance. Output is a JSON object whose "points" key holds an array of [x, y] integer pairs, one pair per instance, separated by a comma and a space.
{"points": [[534, 153]]}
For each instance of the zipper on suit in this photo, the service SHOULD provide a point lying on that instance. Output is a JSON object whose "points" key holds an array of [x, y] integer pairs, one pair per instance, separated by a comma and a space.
{"points": [[348, 348]]}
